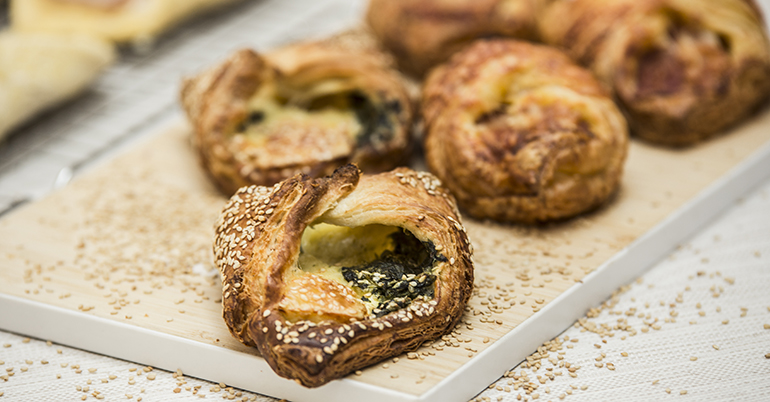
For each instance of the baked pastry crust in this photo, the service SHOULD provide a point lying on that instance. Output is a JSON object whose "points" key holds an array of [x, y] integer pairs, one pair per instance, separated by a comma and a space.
{"points": [[311, 328], [39, 71], [113, 20], [424, 33], [519, 133], [318, 106], [683, 70]]}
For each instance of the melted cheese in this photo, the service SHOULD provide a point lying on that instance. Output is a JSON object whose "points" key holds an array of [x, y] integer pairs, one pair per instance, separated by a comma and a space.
{"points": [[282, 113], [326, 249]]}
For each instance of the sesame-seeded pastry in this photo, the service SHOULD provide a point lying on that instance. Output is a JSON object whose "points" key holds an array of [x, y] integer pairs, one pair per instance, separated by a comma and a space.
{"points": [[307, 108], [137, 21], [326, 276], [39, 71], [424, 33], [682, 70], [519, 133]]}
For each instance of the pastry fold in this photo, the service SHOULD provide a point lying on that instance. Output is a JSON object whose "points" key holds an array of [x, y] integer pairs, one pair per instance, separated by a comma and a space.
{"points": [[326, 276], [682, 70], [39, 71], [424, 33], [519, 133], [135, 21], [307, 108]]}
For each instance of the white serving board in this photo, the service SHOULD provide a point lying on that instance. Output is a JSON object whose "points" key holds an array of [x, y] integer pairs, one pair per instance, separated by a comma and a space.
{"points": [[700, 182]]}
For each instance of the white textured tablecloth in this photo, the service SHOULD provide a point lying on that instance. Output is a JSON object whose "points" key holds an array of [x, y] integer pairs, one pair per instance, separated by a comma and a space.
{"points": [[696, 326]]}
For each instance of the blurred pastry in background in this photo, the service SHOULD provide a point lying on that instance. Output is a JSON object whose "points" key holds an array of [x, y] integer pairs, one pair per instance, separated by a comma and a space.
{"points": [[519, 133], [39, 71], [125, 21], [682, 70], [306, 108], [424, 33]]}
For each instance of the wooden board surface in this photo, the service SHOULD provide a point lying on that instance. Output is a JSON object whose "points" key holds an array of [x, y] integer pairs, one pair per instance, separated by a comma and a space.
{"points": [[131, 242]]}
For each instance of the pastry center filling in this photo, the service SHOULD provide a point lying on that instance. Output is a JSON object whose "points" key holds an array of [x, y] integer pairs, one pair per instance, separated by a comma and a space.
{"points": [[385, 267], [686, 58], [326, 121]]}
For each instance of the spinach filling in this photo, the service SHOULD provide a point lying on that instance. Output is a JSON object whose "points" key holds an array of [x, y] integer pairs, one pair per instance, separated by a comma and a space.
{"points": [[376, 123], [397, 276]]}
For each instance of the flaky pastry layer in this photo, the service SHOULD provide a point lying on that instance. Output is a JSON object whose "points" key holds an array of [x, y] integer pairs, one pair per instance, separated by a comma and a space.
{"points": [[424, 33], [310, 326], [519, 133], [306, 108], [683, 70]]}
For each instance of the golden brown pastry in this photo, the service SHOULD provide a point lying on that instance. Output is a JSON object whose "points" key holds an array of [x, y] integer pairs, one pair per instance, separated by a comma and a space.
{"points": [[135, 21], [424, 33], [39, 71], [326, 276], [519, 133], [308, 108], [683, 70]]}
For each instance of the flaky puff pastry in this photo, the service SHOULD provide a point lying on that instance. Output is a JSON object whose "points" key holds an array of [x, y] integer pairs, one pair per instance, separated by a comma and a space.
{"points": [[519, 133], [137, 21], [683, 70], [326, 276], [306, 108], [40, 71], [424, 33]]}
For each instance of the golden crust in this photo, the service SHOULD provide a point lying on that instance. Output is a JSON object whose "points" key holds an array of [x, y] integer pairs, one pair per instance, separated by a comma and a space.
{"points": [[373, 132], [683, 70], [520, 133], [122, 21], [424, 33], [258, 242]]}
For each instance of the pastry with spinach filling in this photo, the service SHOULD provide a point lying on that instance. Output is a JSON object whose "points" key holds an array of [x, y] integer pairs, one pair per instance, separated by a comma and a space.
{"points": [[327, 276], [305, 108]]}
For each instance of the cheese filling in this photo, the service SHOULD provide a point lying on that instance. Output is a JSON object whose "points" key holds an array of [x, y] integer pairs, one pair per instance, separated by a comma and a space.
{"points": [[386, 267]]}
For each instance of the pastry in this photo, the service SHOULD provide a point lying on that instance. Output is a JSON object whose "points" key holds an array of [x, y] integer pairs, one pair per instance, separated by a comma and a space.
{"points": [[38, 71], [682, 70], [519, 133], [326, 276], [424, 33], [137, 21], [307, 108]]}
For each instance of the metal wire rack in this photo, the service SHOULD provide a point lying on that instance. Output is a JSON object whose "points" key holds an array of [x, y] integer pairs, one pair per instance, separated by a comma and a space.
{"points": [[139, 92]]}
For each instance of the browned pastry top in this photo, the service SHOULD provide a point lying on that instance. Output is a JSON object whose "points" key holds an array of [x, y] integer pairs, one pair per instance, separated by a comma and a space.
{"points": [[682, 69], [306, 108], [326, 276], [424, 33], [520, 133]]}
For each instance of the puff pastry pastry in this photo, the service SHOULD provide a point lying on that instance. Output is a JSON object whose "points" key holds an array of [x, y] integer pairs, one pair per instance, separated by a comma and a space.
{"points": [[683, 70], [38, 71], [326, 276], [424, 33], [519, 133], [114, 20], [307, 108]]}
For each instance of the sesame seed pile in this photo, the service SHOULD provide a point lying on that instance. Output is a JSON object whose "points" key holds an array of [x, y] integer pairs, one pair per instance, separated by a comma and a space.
{"points": [[672, 332]]}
